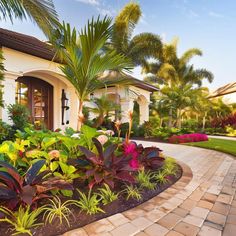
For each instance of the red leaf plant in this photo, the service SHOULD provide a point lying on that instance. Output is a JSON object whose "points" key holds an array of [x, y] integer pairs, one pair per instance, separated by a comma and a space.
{"points": [[105, 166], [27, 190]]}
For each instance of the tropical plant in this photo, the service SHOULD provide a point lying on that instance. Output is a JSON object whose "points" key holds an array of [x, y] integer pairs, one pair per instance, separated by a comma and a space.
{"points": [[20, 115], [175, 72], [141, 46], [103, 108], [22, 220], [58, 210], [14, 152], [85, 58], [27, 190], [132, 191], [42, 13], [89, 203], [105, 167], [144, 178], [161, 177], [170, 166], [150, 157], [107, 195]]}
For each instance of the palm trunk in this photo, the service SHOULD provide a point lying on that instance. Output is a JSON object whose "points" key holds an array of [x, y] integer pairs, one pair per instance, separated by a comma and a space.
{"points": [[179, 121], [161, 122], [204, 121], [170, 118], [100, 120], [80, 115]]}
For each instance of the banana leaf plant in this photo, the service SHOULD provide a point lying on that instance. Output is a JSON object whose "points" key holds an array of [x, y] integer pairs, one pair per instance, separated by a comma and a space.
{"points": [[105, 166], [29, 189]]}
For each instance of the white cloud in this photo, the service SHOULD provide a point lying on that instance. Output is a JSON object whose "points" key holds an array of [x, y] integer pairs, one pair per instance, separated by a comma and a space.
{"points": [[90, 2], [214, 14]]}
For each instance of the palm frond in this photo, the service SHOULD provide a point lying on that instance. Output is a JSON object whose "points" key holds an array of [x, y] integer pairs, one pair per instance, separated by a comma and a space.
{"points": [[42, 12]]}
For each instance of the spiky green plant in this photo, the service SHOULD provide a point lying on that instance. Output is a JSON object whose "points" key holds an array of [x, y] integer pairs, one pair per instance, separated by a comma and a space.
{"points": [[161, 177], [58, 210], [170, 166], [107, 195], [132, 191], [144, 178], [89, 203], [22, 220]]}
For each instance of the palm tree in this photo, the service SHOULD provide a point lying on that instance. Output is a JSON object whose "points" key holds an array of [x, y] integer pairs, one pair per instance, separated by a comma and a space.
{"points": [[172, 71], [103, 108], [141, 46], [85, 58], [42, 12], [179, 98]]}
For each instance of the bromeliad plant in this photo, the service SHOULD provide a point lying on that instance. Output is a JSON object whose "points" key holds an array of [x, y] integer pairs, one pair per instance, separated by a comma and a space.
{"points": [[27, 190], [105, 166]]}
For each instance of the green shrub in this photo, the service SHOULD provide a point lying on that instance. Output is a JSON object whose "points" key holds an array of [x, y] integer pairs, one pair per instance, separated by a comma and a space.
{"points": [[6, 132], [19, 115]]}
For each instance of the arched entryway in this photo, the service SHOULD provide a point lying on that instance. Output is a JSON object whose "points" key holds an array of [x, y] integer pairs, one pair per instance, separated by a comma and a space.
{"points": [[37, 95]]}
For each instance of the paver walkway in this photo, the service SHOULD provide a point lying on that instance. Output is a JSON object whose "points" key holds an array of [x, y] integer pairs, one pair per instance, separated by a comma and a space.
{"points": [[202, 202], [222, 137]]}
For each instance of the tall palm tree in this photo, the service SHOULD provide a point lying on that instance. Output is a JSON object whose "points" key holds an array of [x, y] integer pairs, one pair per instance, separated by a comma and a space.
{"points": [[141, 46], [176, 70], [85, 58], [171, 70], [42, 12]]}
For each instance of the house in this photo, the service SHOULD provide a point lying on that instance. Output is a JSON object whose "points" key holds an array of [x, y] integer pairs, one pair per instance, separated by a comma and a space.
{"points": [[34, 79], [227, 92]]}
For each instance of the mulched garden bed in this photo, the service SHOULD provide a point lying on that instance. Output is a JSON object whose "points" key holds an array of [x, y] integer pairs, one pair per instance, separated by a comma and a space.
{"points": [[80, 218]]}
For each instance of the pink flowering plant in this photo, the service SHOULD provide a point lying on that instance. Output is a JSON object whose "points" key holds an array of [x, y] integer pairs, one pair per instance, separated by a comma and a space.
{"points": [[188, 138]]}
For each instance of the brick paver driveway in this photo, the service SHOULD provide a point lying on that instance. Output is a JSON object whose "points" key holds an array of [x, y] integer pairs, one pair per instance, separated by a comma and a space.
{"points": [[202, 202]]}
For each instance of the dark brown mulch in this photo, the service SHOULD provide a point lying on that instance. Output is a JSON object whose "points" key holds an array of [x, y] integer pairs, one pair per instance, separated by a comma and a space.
{"points": [[81, 218]]}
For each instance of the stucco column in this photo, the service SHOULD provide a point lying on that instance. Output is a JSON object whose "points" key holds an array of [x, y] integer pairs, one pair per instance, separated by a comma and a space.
{"points": [[143, 111], [126, 106], [73, 105], [9, 93]]}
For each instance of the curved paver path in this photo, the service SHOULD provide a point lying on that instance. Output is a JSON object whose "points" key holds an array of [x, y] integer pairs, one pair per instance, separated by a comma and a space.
{"points": [[202, 202]]}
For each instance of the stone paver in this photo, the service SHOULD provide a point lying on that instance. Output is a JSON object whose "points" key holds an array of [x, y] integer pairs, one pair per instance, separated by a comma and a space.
{"points": [[202, 202]]}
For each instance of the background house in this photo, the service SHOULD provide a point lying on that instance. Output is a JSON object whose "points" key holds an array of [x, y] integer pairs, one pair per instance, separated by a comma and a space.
{"points": [[32, 78], [227, 92]]}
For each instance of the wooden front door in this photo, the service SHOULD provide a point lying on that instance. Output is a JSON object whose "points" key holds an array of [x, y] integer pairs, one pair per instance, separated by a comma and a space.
{"points": [[37, 95]]}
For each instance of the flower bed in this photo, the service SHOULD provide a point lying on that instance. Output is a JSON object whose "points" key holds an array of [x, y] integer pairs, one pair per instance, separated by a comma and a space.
{"points": [[53, 182], [188, 138]]}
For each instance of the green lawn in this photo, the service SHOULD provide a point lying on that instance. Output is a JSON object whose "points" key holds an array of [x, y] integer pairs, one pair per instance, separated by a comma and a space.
{"points": [[222, 145]]}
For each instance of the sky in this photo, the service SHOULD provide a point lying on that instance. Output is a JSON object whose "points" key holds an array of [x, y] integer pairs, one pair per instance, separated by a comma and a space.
{"points": [[206, 24]]}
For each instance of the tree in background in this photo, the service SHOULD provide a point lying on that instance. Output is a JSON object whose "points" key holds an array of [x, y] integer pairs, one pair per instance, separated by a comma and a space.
{"points": [[141, 46], [85, 58], [175, 72], [103, 109]]}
